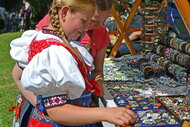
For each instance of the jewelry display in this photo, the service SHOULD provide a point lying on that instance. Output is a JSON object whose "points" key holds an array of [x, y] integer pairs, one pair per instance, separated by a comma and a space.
{"points": [[147, 69], [156, 84], [129, 88], [154, 23], [179, 106], [177, 71]]}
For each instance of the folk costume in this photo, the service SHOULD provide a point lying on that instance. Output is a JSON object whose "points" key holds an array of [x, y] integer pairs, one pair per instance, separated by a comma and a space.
{"points": [[54, 73]]}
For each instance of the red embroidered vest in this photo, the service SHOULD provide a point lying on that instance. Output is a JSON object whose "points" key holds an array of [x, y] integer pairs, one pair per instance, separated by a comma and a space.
{"points": [[37, 47]]}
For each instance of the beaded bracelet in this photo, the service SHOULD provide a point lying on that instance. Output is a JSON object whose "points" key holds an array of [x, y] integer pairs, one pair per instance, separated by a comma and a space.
{"points": [[187, 63], [172, 54], [166, 52], [185, 60], [148, 55], [182, 46], [143, 65], [162, 61], [152, 70], [187, 48], [171, 41], [188, 52], [165, 64], [181, 57], [170, 68], [162, 50], [155, 57], [168, 41], [178, 43], [161, 39], [174, 67], [148, 46], [174, 44]]}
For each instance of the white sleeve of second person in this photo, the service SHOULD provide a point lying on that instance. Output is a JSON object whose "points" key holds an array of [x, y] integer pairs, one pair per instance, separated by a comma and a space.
{"points": [[54, 71]]}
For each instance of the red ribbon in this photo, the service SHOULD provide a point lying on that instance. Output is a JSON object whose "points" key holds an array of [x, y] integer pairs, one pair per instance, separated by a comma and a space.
{"points": [[17, 108]]}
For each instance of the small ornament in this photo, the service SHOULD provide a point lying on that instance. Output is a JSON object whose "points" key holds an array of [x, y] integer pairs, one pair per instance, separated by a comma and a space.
{"points": [[158, 105], [128, 107]]}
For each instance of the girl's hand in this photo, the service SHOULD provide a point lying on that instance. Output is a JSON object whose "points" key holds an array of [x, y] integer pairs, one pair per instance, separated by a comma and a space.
{"points": [[99, 80], [120, 116]]}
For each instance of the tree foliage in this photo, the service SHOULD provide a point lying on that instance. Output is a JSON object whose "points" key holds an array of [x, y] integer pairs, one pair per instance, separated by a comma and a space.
{"points": [[120, 8], [40, 8]]}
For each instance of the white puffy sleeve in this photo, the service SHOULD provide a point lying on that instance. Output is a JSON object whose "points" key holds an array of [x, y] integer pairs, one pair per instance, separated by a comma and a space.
{"points": [[54, 71], [20, 46]]}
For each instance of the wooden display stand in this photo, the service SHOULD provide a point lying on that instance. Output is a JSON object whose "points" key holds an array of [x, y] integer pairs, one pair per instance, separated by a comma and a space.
{"points": [[122, 29], [184, 9], [186, 124]]}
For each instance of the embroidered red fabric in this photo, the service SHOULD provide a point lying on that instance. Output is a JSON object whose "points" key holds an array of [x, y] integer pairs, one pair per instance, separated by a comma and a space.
{"points": [[50, 102], [37, 46]]}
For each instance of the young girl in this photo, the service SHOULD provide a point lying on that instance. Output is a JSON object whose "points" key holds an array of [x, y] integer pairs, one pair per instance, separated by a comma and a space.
{"points": [[97, 37], [57, 70]]}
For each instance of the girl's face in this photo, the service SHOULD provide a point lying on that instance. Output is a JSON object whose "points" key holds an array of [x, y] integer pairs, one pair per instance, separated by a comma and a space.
{"points": [[75, 24], [98, 18]]}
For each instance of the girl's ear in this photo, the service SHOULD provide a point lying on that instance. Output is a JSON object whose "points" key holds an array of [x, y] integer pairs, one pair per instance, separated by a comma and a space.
{"points": [[64, 11]]}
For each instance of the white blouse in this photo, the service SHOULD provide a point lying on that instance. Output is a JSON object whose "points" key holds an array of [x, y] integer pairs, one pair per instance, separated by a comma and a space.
{"points": [[53, 71]]}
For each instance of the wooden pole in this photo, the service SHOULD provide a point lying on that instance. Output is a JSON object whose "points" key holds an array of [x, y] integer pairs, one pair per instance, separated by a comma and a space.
{"points": [[184, 9]]}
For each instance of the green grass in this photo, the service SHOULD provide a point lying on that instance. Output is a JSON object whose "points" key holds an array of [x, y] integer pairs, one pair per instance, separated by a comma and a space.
{"points": [[8, 90]]}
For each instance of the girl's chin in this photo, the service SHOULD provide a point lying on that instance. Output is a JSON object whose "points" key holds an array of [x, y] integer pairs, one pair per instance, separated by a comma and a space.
{"points": [[73, 38]]}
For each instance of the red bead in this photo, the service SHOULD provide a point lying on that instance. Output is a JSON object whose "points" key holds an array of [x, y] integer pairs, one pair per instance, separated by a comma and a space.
{"points": [[158, 105], [127, 106]]}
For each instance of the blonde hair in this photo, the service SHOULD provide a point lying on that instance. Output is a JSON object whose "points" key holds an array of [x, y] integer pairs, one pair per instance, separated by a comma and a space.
{"points": [[75, 6]]}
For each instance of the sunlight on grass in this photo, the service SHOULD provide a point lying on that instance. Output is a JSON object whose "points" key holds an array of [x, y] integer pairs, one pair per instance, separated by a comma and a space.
{"points": [[8, 90]]}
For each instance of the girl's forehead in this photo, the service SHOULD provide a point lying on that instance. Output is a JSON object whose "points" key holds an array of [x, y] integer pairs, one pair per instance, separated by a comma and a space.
{"points": [[98, 14]]}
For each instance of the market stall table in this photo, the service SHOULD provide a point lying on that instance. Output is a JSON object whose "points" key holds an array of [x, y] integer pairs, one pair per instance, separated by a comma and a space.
{"points": [[125, 86]]}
